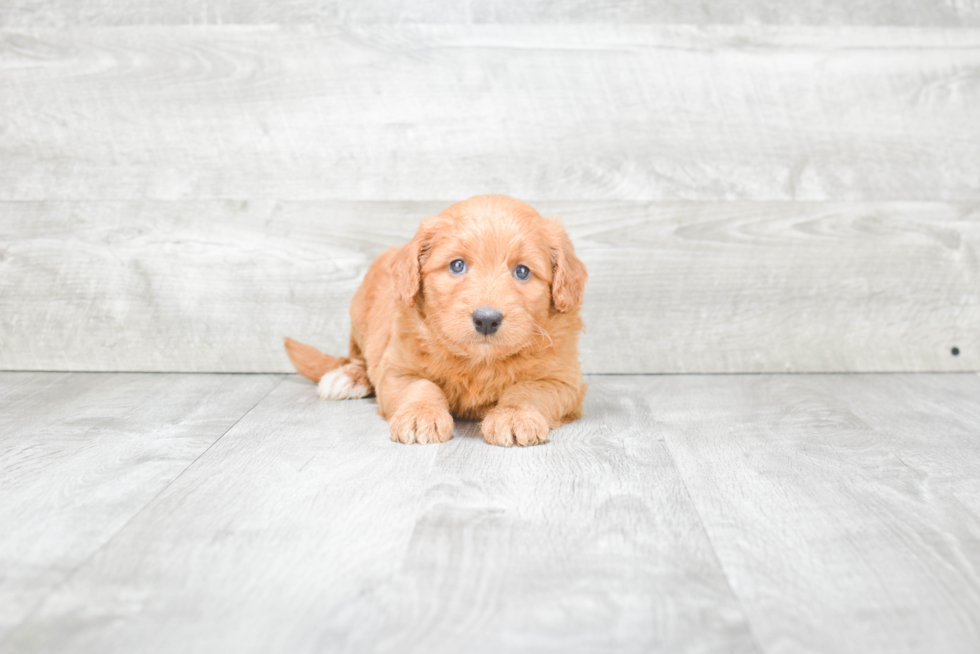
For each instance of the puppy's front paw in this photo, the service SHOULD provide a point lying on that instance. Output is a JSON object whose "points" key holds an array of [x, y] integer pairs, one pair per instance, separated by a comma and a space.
{"points": [[421, 423], [519, 425]]}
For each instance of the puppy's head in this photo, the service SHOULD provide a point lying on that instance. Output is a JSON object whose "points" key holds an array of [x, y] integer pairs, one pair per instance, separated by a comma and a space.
{"points": [[487, 275]]}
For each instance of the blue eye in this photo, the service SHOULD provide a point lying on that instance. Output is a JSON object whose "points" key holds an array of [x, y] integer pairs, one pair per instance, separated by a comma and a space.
{"points": [[457, 266], [522, 272]]}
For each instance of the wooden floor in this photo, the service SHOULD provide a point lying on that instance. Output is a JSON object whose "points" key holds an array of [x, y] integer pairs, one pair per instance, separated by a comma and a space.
{"points": [[239, 513]]}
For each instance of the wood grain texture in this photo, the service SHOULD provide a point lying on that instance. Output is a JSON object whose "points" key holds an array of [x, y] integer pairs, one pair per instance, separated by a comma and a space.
{"points": [[82, 454], [845, 509], [766, 513], [306, 529], [423, 112], [36, 13], [674, 287]]}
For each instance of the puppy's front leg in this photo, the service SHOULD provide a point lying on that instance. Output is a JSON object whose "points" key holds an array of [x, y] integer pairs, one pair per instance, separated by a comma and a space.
{"points": [[417, 410], [527, 411]]}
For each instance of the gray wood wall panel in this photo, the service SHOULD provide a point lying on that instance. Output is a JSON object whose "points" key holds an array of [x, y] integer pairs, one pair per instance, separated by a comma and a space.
{"points": [[82, 454], [674, 287], [845, 509], [578, 112], [157, 179], [306, 529], [209, 12]]}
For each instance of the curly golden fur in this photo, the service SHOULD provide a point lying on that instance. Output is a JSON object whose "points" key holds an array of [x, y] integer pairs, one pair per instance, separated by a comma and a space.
{"points": [[413, 340]]}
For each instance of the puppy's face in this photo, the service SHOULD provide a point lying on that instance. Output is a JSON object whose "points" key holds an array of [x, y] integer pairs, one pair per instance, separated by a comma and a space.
{"points": [[486, 285], [491, 270]]}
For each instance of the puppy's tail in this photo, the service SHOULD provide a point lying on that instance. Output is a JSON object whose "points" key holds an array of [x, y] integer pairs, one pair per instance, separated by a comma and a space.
{"points": [[309, 361]]}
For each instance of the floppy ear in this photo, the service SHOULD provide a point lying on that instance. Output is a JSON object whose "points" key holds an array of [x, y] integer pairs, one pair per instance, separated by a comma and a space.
{"points": [[568, 272], [406, 267]]}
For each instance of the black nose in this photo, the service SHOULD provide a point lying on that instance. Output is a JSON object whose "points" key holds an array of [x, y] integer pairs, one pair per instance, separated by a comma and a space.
{"points": [[487, 320]]}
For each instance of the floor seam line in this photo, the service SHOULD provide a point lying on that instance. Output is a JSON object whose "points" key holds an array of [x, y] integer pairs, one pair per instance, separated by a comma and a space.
{"points": [[714, 549], [87, 559]]}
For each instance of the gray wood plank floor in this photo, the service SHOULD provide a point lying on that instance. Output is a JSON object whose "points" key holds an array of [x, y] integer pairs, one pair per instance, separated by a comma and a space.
{"points": [[81, 454], [756, 513]]}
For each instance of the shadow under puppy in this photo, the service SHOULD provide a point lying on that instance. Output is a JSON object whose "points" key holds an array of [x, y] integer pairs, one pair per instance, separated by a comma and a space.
{"points": [[477, 317]]}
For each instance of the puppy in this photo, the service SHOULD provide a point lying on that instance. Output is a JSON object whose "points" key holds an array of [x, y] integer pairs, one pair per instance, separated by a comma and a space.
{"points": [[477, 317]]}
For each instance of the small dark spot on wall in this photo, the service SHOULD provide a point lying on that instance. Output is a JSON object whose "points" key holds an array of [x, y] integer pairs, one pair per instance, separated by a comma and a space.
{"points": [[955, 351]]}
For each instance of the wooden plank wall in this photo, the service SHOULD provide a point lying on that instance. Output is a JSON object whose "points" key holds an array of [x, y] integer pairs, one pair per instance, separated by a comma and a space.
{"points": [[755, 187], [917, 13]]}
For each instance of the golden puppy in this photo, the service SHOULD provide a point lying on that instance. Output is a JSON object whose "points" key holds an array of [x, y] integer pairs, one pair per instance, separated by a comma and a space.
{"points": [[477, 317]]}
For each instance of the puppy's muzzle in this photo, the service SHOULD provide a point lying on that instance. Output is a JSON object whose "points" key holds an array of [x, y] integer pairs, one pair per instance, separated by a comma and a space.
{"points": [[487, 320]]}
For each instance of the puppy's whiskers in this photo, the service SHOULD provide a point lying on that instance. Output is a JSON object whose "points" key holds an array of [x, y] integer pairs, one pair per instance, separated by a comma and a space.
{"points": [[543, 332]]}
